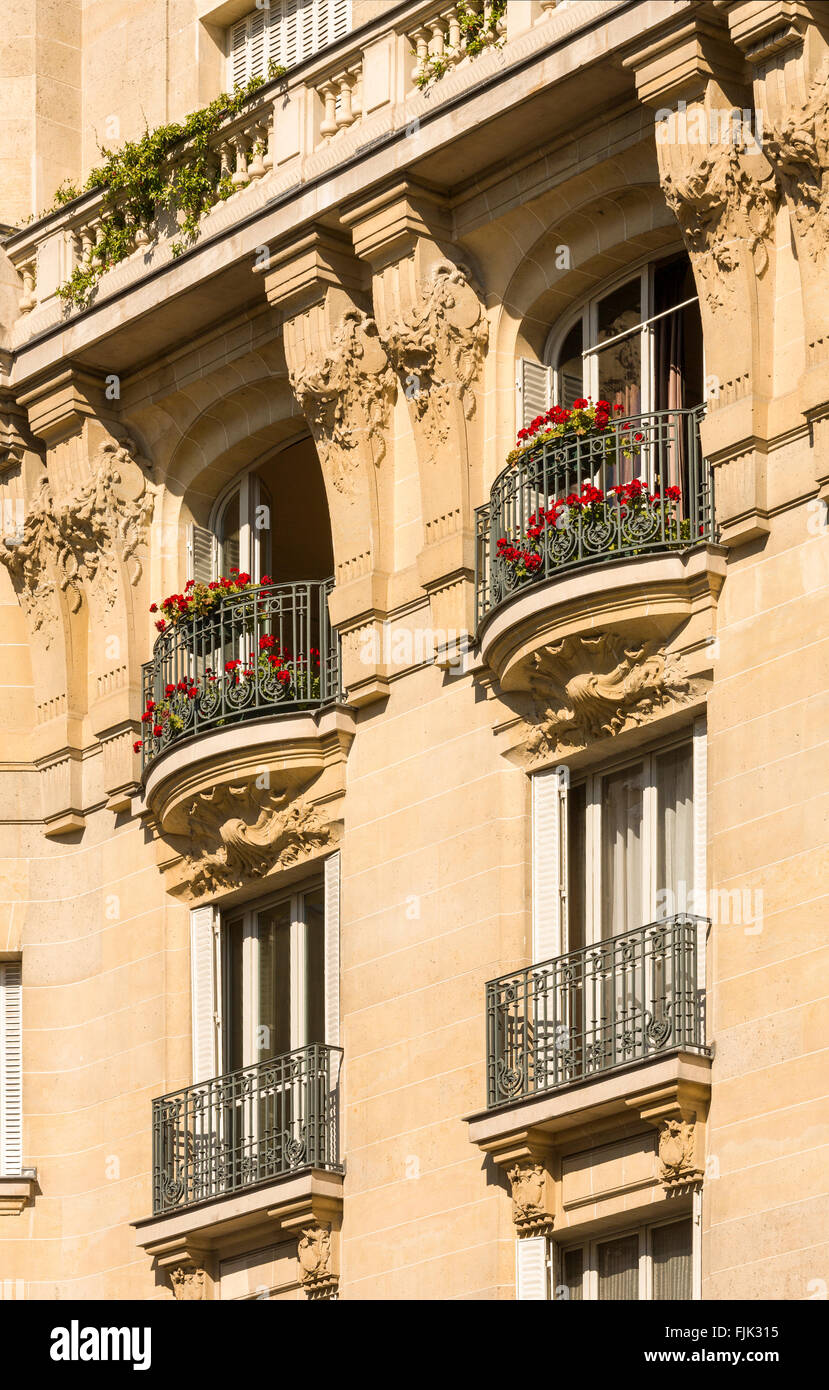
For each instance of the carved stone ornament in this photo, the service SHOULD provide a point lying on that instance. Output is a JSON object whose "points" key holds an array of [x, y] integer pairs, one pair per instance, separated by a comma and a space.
{"points": [[439, 348], [346, 397], [587, 688], [676, 1154], [314, 1257], [529, 1192], [188, 1283], [235, 836], [14, 436], [722, 206], [799, 150], [76, 539]]}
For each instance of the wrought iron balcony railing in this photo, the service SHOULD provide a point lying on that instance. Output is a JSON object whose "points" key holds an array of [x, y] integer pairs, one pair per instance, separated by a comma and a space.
{"points": [[264, 1122], [622, 1000], [638, 487], [259, 652]]}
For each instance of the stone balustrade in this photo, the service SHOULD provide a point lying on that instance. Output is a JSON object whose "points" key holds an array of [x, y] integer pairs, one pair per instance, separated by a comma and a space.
{"points": [[439, 42]]}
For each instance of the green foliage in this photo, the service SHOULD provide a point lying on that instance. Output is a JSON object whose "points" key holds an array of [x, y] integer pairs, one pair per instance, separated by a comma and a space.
{"points": [[171, 169], [478, 31]]}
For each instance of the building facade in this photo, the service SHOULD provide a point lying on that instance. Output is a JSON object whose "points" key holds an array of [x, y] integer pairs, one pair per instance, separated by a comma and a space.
{"points": [[414, 622]]}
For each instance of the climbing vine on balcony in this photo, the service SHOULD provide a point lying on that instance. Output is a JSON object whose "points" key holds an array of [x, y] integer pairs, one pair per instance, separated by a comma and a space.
{"points": [[141, 180], [479, 30]]}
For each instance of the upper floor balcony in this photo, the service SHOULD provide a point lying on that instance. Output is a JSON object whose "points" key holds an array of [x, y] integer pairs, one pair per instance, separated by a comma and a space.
{"points": [[599, 522], [266, 650], [624, 1000], [413, 88]]}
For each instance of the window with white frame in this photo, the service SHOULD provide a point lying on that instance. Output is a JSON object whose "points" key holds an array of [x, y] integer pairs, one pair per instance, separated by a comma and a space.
{"points": [[265, 978], [620, 847], [281, 33], [653, 1262], [11, 1068], [636, 344]]}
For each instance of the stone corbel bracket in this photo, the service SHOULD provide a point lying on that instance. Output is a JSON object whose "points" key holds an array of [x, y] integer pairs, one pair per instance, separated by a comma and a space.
{"points": [[679, 1117], [248, 801], [525, 1157]]}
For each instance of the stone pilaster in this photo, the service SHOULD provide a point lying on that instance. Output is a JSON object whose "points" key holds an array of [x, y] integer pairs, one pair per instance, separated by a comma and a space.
{"points": [[344, 383], [433, 323]]}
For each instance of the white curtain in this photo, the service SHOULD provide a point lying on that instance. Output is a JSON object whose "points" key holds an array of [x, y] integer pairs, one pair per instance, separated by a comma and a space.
{"points": [[622, 808], [671, 1251], [618, 1268], [675, 830]]}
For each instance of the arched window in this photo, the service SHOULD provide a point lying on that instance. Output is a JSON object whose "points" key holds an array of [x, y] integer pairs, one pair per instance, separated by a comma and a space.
{"points": [[637, 344], [272, 521]]}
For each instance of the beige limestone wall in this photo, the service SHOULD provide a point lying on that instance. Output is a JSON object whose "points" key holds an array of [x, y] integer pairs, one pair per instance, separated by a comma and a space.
{"points": [[766, 1205]]}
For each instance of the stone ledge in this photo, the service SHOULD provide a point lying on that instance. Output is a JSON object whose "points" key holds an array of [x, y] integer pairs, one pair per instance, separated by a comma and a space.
{"points": [[17, 1191], [585, 1109], [645, 597]]}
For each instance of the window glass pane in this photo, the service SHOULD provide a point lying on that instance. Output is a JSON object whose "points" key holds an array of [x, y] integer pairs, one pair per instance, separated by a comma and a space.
{"points": [[571, 367], [671, 1251], [274, 1022], [576, 868], [229, 536], [262, 522], [621, 850], [314, 912], [234, 997], [618, 1268], [573, 1273], [620, 366], [674, 831]]}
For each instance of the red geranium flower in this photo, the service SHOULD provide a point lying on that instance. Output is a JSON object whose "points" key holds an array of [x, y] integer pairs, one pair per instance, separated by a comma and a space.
{"points": [[158, 730], [137, 746]]}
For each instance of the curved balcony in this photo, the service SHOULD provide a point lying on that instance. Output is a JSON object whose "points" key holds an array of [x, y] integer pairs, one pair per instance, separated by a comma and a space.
{"points": [[267, 651], [639, 487]]}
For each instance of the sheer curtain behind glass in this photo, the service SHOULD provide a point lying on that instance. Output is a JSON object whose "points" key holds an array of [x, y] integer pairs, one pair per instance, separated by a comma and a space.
{"points": [[621, 859], [675, 831], [671, 1251], [618, 1268]]}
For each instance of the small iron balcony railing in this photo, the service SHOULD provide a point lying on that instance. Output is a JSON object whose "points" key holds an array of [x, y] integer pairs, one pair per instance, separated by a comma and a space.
{"points": [[638, 487], [601, 1007], [259, 652], [251, 1126]]}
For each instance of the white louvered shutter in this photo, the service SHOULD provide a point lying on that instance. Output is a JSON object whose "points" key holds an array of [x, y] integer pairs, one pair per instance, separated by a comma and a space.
{"points": [[332, 950], [531, 1268], [534, 391], [549, 864], [201, 548], [11, 1067], [204, 950]]}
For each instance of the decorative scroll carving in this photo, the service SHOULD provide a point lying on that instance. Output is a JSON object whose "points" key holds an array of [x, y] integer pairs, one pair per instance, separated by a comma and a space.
{"points": [[77, 538], [346, 397], [440, 347], [799, 150], [677, 1166], [188, 1283], [14, 435], [591, 687], [721, 206], [529, 1197], [314, 1256], [239, 836]]}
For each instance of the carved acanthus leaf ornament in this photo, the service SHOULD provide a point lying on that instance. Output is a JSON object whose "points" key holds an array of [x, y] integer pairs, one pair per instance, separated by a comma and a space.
{"points": [[724, 206], [235, 836], [799, 150], [77, 538], [587, 688], [188, 1283], [439, 349], [346, 396]]}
